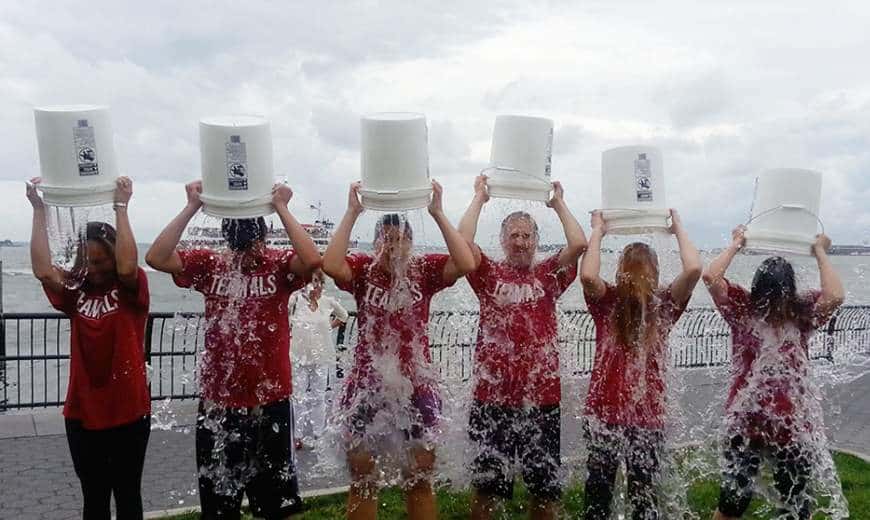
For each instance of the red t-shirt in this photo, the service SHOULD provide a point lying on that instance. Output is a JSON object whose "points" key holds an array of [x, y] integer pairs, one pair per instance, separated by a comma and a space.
{"points": [[246, 361], [627, 385], [393, 321], [107, 383], [517, 356], [769, 394]]}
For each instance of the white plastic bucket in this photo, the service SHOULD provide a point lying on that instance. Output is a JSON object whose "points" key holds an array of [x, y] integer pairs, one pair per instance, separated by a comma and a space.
{"points": [[521, 158], [633, 190], [785, 211], [76, 154], [237, 168], [394, 160]]}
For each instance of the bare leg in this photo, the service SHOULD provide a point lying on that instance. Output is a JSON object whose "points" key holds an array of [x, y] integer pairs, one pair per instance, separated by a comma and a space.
{"points": [[362, 500], [419, 498], [719, 516]]}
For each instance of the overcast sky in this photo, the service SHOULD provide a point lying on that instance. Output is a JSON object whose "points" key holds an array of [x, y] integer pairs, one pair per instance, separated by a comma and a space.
{"points": [[726, 91]]}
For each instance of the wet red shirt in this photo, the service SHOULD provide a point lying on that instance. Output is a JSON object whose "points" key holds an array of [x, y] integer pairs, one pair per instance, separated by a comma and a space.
{"points": [[517, 357], [627, 385], [246, 361], [393, 321], [770, 394], [107, 383]]}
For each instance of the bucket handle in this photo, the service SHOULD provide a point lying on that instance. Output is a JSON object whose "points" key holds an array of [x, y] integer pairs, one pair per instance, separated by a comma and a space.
{"points": [[799, 207]]}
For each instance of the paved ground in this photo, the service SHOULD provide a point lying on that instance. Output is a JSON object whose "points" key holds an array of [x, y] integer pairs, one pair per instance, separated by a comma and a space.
{"points": [[37, 480]]}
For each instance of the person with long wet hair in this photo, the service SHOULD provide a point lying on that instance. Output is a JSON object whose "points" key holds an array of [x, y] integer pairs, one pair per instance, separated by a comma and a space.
{"points": [[243, 428], [765, 411], [515, 413], [108, 406], [625, 409], [391, 386]]}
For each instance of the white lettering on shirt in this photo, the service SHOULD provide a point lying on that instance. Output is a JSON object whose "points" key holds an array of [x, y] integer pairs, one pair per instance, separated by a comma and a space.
{"points": [[393, 299], [506, 293], [95, 307], [236, 286]]}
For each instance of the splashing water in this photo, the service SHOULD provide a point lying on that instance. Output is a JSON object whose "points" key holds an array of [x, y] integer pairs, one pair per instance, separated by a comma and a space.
{"points": [[406, 403], [66, 237]]}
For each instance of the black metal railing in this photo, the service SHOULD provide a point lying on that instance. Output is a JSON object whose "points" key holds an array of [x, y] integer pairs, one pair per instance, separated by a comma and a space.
{"points": [[34, 348]]}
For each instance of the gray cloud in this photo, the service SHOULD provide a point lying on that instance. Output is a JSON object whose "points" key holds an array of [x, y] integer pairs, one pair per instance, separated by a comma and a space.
{"points": [[725, 91]]}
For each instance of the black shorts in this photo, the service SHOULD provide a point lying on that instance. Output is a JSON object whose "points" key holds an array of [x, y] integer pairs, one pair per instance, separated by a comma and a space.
{"points": [[506, 436], [246, 451], [791, 471]]}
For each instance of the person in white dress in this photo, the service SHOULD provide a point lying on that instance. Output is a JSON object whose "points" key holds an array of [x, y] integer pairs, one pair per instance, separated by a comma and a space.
{"points": [[312, 318]]}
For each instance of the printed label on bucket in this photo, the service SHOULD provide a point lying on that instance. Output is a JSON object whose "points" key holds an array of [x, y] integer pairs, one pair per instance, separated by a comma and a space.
{"points": [[643, 178], [237, 164], [86, 149]]}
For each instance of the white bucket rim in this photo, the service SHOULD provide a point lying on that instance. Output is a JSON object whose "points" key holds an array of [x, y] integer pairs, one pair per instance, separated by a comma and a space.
{"points": [[231, 202], [235, 121], [233, 208], [506, 172], [60, 109], [526, 117], [511, 192], [75, 190], [773, 246], [525, 186], [394, 115], [388, 193], [628, 221], [398, 200], [262, 210], [618, 213], [632, 147]]}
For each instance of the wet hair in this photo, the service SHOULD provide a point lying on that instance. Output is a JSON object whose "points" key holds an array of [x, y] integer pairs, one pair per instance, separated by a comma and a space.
{"points": [[637, 279], [774, 296], [518, 215], [241, 233], [101, 233], [393, 219]]}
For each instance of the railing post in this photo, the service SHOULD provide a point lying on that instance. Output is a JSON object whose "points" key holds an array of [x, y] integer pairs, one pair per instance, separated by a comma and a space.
{"points": [[339, 340], [830, 344], [149, 333], [2, 343]]}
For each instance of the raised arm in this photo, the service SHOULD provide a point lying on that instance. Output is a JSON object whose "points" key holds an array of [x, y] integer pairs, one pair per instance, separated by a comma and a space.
{"points": [[307, 258], [468, 223], [40, 253], [590, 266], [335, 258], [576, 240], [714, 274], [833, 293], [461, 258], [685, 282], [126, 253], [162, 254]]}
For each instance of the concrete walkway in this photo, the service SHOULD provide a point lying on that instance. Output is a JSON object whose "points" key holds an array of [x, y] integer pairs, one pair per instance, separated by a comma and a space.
{"points": [[37, 479]]}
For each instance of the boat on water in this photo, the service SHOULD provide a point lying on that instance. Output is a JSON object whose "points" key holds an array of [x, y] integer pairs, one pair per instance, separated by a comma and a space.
{"points": [[320, 231]]}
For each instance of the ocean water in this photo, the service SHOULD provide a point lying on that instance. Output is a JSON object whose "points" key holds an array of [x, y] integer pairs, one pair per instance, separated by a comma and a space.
{"points": [[21, 292]]}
